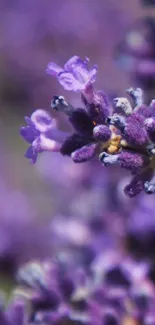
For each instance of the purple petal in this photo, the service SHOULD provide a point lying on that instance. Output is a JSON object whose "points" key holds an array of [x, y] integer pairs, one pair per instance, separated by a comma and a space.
{"points": [[28, 133], [46, 144], [42, 120], [73, 61], [80, 71], [92, 74], [28, 121], [31, 154], [53, 69], [68, 81]]}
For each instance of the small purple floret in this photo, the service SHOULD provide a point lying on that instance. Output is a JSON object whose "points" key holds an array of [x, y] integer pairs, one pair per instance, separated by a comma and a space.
{"points": [[40, 132], [75, 75]]}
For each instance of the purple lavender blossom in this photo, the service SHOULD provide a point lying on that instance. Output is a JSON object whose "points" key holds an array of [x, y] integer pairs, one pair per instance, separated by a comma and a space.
{"points": [[75, 76], [125, 138], [41, 133]]}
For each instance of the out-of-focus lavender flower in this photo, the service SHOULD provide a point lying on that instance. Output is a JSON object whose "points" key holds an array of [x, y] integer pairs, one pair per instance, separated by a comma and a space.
{"points": [[85, 236], [125, 138], [114, 288], [136, 54]]}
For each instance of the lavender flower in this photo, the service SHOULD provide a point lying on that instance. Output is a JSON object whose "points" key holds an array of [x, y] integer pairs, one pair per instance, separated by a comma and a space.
{"points": [[125, 138], [41, 133]]}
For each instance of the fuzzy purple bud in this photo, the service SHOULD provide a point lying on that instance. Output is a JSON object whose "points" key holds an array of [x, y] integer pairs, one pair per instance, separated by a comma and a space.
{"points": [[131, 160], [84, 154], [102, 133], [134, 132]]}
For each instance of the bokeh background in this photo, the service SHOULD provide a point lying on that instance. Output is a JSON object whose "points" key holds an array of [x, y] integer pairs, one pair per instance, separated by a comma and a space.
{"points": [[56, 205]]}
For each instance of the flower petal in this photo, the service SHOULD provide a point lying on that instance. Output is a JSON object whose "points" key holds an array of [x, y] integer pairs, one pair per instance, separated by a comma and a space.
{"points": [[73, 61], [31, 154], [47, 144], [80, 71], [68, 81], [28, 133], [42, 120], [53, 69], [92, 74]]}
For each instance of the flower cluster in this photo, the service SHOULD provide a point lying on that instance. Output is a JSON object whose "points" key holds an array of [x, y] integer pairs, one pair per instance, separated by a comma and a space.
{"points": [[117, 133], [114, 290]]}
